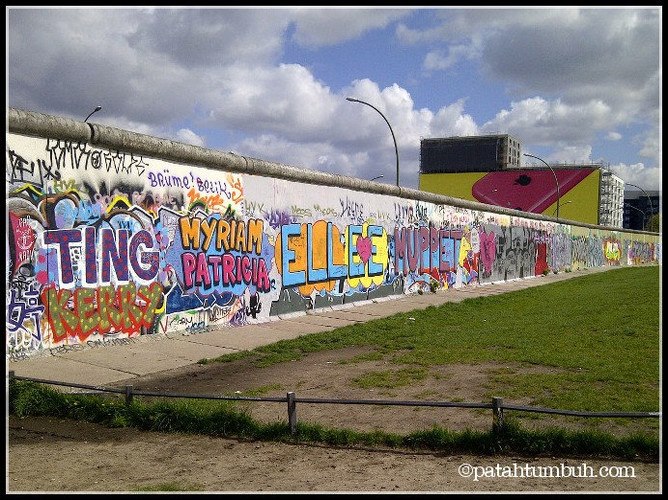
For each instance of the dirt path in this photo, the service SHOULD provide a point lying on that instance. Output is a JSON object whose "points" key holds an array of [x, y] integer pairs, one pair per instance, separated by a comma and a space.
{"points": [[55, 455], [48, 454]]}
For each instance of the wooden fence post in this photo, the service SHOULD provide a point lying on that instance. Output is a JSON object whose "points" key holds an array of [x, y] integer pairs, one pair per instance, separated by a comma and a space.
{"points": [[497, 414], [292, 413], [128, 394]]}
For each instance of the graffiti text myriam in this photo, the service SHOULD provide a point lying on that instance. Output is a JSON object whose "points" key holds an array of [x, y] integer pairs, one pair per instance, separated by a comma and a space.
{"points": [[218, 254]]}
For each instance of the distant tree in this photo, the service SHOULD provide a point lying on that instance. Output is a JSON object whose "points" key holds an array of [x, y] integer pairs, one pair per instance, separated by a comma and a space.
{"points": [[654, 223]]}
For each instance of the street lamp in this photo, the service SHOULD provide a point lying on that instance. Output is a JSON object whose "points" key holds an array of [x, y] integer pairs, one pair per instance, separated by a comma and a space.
{"points": [[97, 108], [377, 177], [644, 215], [396, 151], [651, 208], [555, 178], [564, 203]]}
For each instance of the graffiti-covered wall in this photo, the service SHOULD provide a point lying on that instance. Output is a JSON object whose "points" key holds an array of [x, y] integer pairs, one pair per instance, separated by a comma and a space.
{"points": [[107, 244]]}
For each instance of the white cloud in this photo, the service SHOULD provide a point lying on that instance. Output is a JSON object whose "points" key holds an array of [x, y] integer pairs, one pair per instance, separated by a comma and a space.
{"points": [[638, 174], [435, 60], [327, 26], [285, 100], [538, 121], [452, 121], [614, 136], [317, 156], [190, 137], [650, 142], [571, 155], [205, 37]]}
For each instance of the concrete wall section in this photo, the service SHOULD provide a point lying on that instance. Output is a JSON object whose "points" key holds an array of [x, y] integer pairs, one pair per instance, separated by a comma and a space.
{"points": [[107, 244]]}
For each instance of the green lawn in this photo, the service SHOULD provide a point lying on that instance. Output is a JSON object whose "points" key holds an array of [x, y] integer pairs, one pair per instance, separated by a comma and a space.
{"points": [[598, 334]]}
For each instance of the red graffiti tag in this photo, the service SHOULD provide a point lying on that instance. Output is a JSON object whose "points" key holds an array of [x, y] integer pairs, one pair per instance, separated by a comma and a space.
{"points": [[88, 310]]}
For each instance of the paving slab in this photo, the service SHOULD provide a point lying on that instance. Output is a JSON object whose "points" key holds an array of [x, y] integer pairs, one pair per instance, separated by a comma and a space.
{"points": [[455, 296], [261, 335], [137, 359], [252, 336], [321, 320], [438, 298], [224, 338], [356, 316], [69, 371], [299, 328], [390, 308]]}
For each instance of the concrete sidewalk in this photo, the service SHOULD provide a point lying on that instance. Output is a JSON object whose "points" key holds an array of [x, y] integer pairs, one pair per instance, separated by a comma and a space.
{"points": [[106, 365]]}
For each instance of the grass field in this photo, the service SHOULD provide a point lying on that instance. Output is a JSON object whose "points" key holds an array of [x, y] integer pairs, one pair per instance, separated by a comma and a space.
{"points": [[599, 335]]}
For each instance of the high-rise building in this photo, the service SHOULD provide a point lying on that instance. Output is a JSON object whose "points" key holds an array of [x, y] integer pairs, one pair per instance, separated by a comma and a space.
{"points": [[611, 200], [481, 153]]}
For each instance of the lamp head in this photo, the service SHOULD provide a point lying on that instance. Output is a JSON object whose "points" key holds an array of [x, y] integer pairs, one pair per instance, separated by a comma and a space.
{"points": [[97, 108]]}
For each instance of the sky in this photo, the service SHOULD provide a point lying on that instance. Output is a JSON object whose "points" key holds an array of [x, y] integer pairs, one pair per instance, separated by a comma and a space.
{"points": [[573, 85]]}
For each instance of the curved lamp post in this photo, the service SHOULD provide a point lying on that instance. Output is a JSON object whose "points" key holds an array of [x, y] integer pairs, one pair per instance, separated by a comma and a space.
{"points": [[651, 208], [97, 108], [644, 215], [396, 151], [377, 177], [555, 178], [564, 203]]}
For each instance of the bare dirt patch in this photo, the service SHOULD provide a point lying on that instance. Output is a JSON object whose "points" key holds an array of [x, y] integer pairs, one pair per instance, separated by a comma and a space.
{"points": [[341, 373], [54, 455], [332, 375], [95, 458]]}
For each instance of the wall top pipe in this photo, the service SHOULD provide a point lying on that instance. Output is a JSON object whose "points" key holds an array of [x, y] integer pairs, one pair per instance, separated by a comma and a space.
{"points": [[48, 126], [41, 125]]}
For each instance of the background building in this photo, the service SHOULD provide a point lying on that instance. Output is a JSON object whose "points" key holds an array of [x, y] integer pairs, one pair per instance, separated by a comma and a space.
{"points": [[481, 153], [487, 169], [639, 207], [611, 200]]}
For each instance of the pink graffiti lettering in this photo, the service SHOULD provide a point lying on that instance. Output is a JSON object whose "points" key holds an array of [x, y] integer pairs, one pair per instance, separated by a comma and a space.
{"points": [[364, 248], [487, 250], [228, 270]]}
